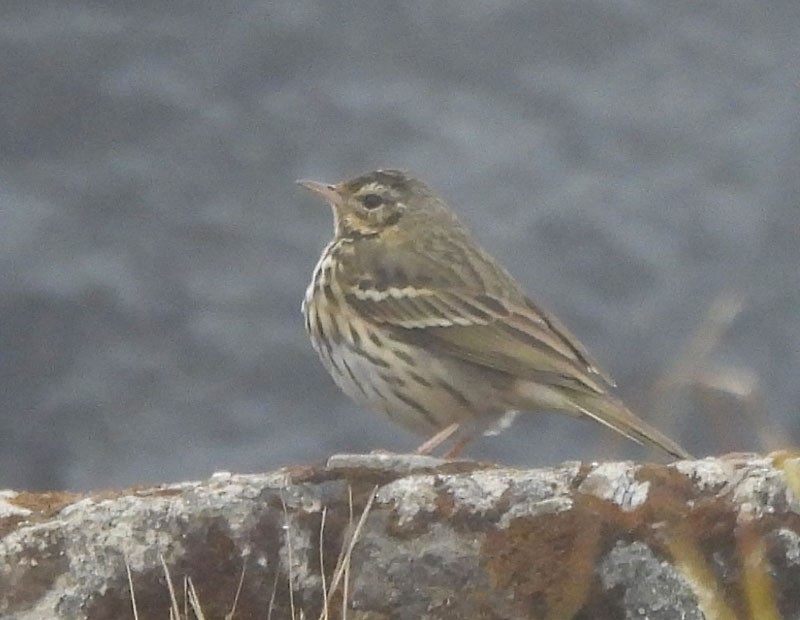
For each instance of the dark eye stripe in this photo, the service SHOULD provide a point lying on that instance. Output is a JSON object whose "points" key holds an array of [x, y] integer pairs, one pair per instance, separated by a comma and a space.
{"points": [[371, 201]]}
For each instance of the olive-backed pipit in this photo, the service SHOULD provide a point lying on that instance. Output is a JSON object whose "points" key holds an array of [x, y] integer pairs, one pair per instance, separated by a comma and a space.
{"points": [[411, 317]]}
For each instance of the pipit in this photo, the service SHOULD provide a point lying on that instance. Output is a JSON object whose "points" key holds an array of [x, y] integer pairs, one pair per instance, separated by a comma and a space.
{"points": [[411, 317]]}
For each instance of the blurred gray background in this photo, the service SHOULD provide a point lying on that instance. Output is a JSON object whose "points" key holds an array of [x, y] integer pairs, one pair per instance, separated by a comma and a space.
{"points": [[634, 164]]}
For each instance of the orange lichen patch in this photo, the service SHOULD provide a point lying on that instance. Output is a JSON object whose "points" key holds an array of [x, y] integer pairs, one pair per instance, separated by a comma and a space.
{"points": [[43, 505], [445, 505], [32, 507], [757, 583], [546, 562], [670, 494], [690, 561], [355, 476], [685, 518]]}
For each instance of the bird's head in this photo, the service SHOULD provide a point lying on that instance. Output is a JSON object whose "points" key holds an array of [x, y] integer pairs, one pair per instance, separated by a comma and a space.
{"points": [[377, 202]]}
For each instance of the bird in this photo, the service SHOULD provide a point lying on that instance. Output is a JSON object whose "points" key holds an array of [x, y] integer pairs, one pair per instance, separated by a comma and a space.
{"points": [[411, 317]]}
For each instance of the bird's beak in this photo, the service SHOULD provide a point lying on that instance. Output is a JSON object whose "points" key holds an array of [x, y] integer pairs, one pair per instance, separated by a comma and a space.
{"points": [[328, 192]]}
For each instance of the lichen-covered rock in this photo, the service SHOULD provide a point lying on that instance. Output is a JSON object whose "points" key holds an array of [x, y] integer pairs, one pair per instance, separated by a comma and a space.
{"points": [[416, 537]]}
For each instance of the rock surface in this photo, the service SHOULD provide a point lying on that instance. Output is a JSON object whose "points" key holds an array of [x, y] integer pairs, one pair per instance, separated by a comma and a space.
{"points": [[417, 537]]}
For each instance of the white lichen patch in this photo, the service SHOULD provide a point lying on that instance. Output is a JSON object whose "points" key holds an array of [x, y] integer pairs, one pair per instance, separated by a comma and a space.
{"points": [[225, 484], [237, 492], [383, 462], [522, 493], [615, 482], [123, 528], [708, 474], [519, 492], [532, 508], [479, 492], [757, 488], [16, 543], [410, 496], [791, 541]]}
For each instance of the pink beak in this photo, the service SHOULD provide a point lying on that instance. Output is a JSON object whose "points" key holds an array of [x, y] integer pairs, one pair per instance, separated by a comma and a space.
{"points": [[328, 192]]}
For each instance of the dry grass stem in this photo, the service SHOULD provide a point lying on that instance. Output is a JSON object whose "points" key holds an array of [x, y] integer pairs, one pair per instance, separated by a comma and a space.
{"points": [[232, 612], [343, 563], [290, 554], [194, 601], [322, 562], [174, 612], [130, 587]]}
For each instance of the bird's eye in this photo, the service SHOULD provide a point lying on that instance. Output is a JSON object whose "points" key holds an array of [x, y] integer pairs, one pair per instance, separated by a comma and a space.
{"points": [[372, 201]]}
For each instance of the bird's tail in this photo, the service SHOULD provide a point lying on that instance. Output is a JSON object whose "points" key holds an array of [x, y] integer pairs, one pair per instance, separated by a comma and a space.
{"points": [[613, 413]]}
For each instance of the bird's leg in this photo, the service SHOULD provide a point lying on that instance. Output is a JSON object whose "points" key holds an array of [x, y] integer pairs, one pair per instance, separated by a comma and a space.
{"points": [[438, 439]]}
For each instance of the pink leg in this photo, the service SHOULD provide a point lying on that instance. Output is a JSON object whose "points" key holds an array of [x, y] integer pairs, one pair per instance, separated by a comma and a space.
{"points": [[438, 439]]}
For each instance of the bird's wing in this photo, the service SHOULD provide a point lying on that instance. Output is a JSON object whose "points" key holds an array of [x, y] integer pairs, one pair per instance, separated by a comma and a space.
{"points": [[512, 336], [446, 293]]}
